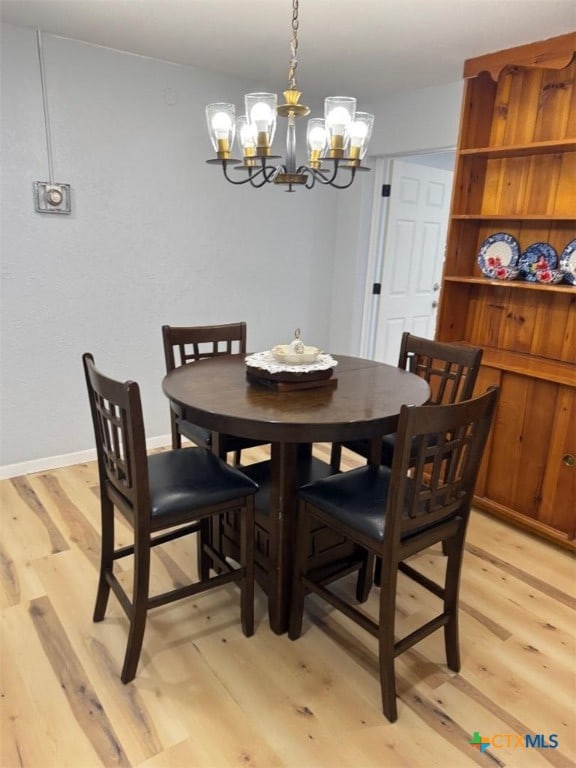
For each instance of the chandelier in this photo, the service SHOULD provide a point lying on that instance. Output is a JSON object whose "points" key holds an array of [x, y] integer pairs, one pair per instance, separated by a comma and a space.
{"points": [[336, 143]]}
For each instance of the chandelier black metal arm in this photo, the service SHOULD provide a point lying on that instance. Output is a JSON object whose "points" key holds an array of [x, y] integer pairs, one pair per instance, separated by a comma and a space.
{"points": [[267, 172], [318, 175]]}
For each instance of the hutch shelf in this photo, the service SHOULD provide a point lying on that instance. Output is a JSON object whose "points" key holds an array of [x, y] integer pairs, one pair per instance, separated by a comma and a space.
{"points": [[516, 173]]}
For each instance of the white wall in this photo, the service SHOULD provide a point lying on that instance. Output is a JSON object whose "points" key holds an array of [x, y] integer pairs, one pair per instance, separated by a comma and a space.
{"points": [[443, 160], [411, 121], [351, 255], [406, 122], [156, 236]]}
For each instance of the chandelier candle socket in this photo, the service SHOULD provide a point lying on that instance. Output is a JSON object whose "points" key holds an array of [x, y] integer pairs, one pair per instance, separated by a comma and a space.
{"points": [[261, 116], [360, 135], [340, 139], [221, 127], [246, 133]]}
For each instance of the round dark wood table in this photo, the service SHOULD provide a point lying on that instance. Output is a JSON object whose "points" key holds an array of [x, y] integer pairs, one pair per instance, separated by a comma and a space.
{"points": [[364, 403]]}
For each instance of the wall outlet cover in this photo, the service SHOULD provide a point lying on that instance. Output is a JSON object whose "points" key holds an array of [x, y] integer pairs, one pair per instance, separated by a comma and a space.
{"points": [[52, 197]]}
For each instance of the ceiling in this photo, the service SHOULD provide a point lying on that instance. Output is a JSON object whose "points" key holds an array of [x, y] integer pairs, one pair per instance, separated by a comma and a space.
{"points": [[360, 48]]}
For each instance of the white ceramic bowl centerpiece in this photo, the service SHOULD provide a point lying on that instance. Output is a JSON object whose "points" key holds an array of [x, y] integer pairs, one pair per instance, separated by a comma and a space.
{"points": [[295, 353]]}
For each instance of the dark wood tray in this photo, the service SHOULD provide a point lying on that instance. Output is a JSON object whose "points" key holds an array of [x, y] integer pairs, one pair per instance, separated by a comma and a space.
{"points": [[287, 380]]}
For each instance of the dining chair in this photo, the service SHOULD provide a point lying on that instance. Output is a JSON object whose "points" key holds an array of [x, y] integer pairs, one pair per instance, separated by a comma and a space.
{"points": [[395, 514], [451, 371], [189, 344], [162, 497]]}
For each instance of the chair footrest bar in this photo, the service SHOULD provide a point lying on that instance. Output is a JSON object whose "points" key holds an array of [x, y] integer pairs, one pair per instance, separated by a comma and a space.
{"points": [[218, 558], [420, 633], [123, 552], [184, 530], [120, 593], [160, 539], [360, 618], [424, 581], [195, 589]]}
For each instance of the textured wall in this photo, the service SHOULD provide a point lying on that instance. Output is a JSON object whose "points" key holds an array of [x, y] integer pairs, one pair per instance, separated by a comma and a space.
{"points": [[156, 236]]}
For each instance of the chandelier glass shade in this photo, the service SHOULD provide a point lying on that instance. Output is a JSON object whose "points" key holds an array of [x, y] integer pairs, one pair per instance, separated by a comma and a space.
{"points": [[336, 143]]}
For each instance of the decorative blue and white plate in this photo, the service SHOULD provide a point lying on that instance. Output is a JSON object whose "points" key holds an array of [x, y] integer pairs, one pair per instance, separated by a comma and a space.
{"points": [[498, 250], [536, 257], [568, 262]]}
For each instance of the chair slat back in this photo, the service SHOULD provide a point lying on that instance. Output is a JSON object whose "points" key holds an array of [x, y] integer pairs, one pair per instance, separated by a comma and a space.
{"points": [[443, 445], [189, 344], [450, 369], [119, 433]]}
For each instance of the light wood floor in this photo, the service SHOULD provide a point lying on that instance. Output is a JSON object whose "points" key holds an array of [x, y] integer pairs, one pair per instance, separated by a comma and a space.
{"points": [[205, 696]]}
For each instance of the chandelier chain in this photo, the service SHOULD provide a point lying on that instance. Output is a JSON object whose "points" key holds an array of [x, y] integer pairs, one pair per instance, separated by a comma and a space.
{"points": [[293, 46]]}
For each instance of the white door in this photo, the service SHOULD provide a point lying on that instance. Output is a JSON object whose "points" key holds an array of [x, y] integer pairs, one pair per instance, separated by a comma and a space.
{"points": [[413, 251]]}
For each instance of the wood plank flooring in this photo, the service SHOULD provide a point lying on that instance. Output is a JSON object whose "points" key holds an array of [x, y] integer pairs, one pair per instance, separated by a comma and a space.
{"points": [[207, 697]]}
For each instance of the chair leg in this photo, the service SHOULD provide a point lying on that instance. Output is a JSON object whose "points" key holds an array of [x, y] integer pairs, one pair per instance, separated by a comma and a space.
{"points": [[386, 650], [378, 572], [237, 458], [176, 436], [365, 578], [247, 563], [336, 456], [106, 558], [298, 590], [203, 560], [139, 607], [454, 549], [220, 451], [452, 644]]}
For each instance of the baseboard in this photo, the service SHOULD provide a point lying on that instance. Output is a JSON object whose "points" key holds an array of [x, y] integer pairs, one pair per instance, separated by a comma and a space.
{"points": [[67, 459]]}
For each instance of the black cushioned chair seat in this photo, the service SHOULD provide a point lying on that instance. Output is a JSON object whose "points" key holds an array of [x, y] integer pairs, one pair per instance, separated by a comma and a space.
{"points": [[357, 498], [192, 478]]}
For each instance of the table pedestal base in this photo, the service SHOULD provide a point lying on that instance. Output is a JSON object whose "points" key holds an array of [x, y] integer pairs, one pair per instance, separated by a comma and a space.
{"points": [[276, 527]]}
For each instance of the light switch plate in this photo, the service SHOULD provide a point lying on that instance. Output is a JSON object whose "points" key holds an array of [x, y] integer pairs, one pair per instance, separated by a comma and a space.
{"points": [[52, 197]]}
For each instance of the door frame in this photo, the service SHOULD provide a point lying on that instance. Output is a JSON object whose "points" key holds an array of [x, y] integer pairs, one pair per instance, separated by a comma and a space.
{"points": [[375, 260]]}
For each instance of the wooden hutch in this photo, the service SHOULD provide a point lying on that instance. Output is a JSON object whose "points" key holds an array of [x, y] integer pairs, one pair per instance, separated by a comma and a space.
{"points": [[516, 173]]}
